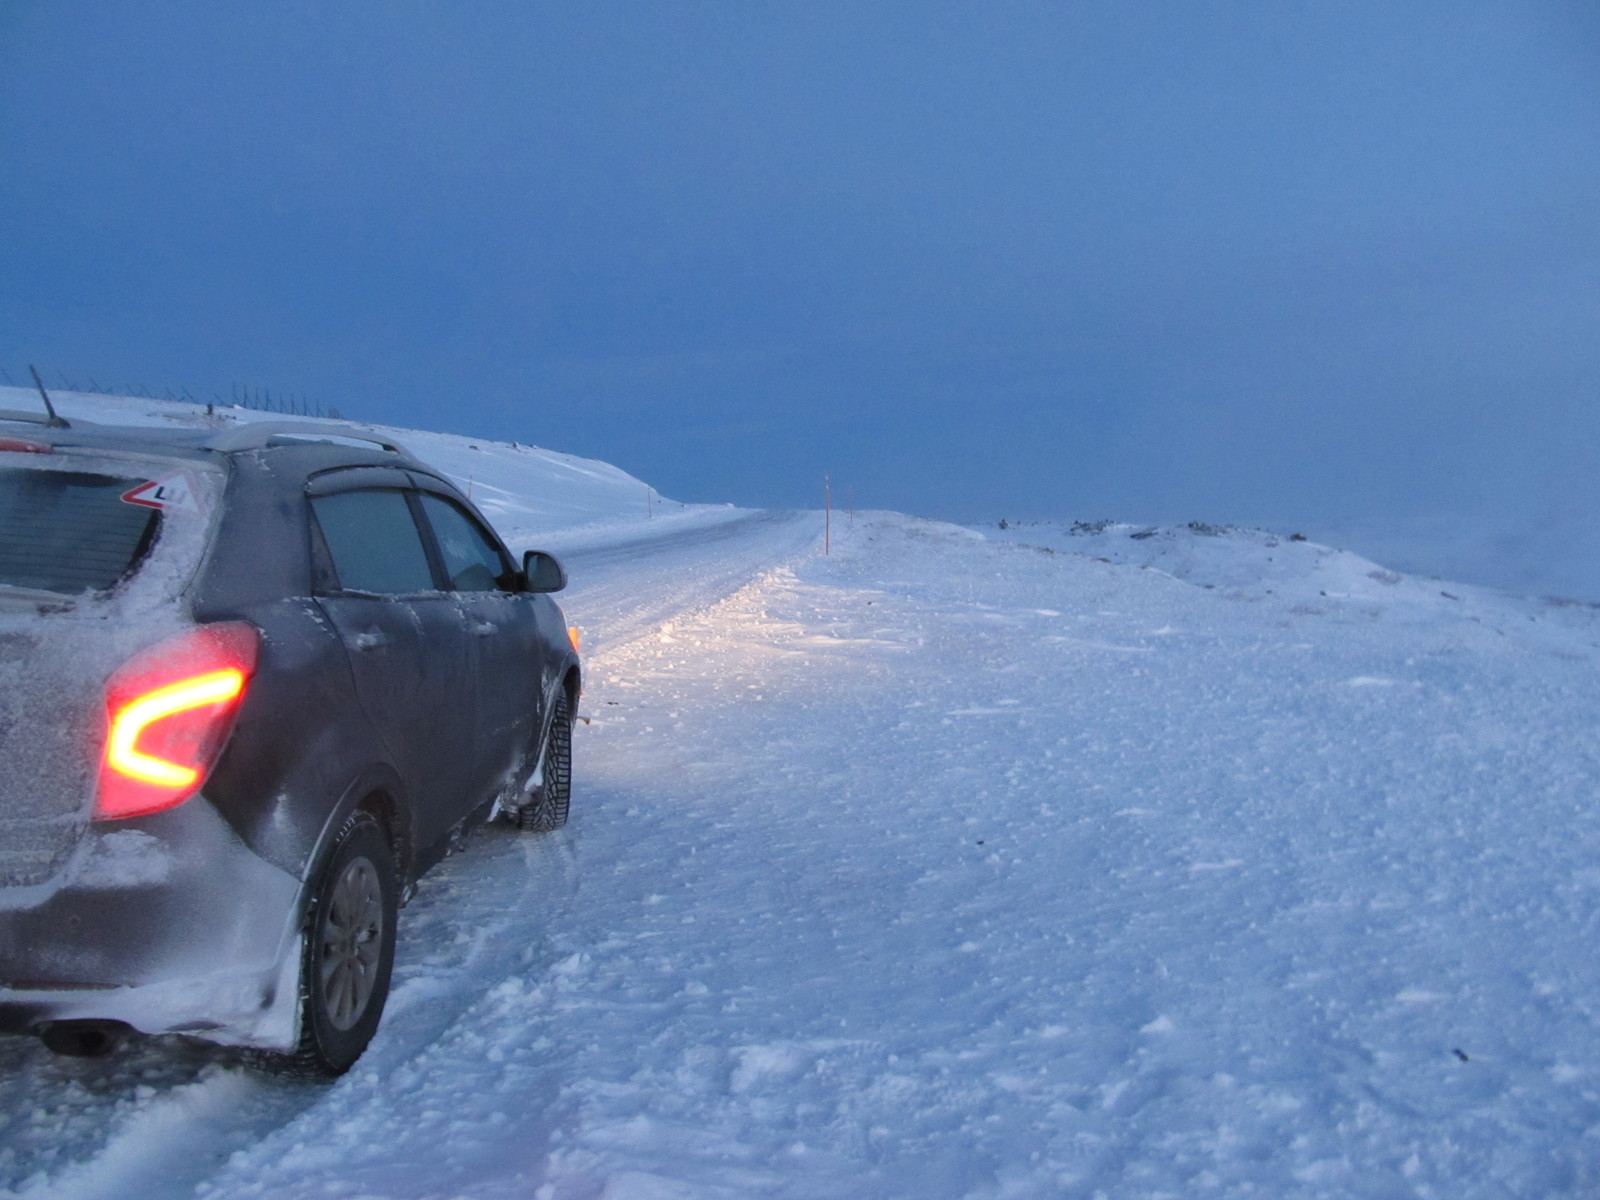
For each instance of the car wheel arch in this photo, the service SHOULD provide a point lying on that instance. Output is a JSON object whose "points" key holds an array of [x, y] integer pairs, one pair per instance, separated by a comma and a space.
{"points": [[378, 791]]}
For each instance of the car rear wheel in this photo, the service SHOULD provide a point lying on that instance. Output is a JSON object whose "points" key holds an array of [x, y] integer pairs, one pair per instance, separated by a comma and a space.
{"points": [[548, 810], [349, 950]]}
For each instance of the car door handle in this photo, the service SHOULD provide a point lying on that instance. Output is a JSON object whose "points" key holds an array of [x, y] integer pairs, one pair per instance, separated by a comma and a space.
{"points": [[485, 629], [371, 641]]}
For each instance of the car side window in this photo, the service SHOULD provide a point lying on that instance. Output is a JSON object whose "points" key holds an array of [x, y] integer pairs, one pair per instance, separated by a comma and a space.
{"points": [[373, 542], [471, 559]]}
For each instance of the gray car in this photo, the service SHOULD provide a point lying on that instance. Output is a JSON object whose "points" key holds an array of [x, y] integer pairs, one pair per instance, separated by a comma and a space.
{"points": [[254, 681]]}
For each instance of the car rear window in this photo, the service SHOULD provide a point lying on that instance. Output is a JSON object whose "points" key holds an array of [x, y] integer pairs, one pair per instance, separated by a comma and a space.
{"points": [[70, 531]]}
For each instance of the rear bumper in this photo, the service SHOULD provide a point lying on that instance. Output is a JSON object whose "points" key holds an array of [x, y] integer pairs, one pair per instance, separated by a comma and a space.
{"points": [[168, 923]]}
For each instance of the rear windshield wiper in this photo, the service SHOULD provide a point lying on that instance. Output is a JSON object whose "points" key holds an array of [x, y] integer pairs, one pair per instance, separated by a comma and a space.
{"points": [[27, 595]]}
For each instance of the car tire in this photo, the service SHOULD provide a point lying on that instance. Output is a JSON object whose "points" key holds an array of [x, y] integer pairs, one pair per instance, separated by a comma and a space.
{"points": [[348, 950], [549, 809]]}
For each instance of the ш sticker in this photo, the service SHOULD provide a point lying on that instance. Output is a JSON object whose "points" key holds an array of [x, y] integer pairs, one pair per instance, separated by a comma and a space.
{"points": [[171, 493]]}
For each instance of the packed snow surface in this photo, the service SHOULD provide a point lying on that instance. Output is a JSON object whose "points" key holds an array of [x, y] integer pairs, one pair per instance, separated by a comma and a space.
{"points": [[1043, 862]]}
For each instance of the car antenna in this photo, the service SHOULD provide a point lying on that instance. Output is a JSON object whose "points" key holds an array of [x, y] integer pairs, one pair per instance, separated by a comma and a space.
{"points": [[55, 419]]}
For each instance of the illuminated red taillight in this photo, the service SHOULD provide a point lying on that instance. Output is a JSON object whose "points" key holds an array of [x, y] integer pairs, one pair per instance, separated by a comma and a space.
{"points": [[169, 709]]}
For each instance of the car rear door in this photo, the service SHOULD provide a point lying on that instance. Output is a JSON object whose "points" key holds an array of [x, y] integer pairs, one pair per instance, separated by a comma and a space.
{"points": [[506, 649], [404, 635]]}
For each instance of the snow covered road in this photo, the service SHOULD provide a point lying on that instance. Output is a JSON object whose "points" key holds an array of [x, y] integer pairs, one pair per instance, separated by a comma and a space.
{"points": [[624, 587]]}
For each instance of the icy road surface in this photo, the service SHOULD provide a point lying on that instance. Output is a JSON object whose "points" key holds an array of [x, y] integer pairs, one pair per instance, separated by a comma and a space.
{"points": [[953, 868]]}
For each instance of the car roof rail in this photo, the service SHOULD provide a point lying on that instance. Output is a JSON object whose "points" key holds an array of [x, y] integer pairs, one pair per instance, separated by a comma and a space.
{"points": [[255, 435]]}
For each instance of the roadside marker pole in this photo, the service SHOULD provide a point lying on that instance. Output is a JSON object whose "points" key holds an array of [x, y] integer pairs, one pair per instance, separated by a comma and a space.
{"points": [[827, 517]]}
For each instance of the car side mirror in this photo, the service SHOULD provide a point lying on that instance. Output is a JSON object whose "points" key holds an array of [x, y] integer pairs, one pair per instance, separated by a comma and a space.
{"points": [[543, 572]]}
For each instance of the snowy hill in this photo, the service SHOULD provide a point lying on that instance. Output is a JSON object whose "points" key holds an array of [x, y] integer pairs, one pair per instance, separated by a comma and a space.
{"points": [[1028, 863], [1254, 564], [531, 494]]}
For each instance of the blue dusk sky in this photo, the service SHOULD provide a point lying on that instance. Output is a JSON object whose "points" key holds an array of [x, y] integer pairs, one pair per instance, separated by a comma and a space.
{"points": [[1324, 266]]}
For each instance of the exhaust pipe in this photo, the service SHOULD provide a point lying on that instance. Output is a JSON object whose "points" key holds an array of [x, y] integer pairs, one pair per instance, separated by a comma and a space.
{"points": [[83, 1039]]}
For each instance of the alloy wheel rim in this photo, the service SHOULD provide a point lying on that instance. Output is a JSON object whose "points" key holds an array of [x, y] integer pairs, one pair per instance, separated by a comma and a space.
{"points": [[352, 935]]}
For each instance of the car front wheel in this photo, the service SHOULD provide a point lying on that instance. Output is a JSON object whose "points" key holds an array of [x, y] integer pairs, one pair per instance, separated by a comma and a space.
{"points": [[548, 810]]}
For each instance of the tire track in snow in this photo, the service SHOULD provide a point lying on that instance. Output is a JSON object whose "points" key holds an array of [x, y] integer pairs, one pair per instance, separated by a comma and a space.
{"points": [[622, 590]]}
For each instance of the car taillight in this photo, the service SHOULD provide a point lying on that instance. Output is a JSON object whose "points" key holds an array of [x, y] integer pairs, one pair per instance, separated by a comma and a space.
{"points": [[169, 709]]}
